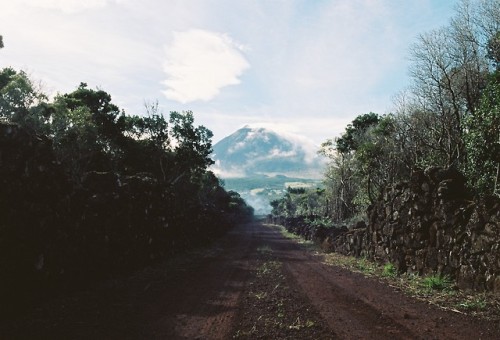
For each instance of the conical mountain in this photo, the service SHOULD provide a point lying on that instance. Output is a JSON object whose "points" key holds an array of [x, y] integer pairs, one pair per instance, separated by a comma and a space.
{"points": [[254, 151]]}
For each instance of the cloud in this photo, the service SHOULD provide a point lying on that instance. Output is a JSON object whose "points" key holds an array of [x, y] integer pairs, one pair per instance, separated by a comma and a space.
{"points": [[236, 147], [286, 131], [260, 203], [315, 65], [200, 63], [224, 172], [70, 6], [277, 153]]}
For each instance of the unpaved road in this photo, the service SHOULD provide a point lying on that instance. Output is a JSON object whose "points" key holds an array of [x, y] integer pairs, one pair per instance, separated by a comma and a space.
{"points": [[253, 283]]}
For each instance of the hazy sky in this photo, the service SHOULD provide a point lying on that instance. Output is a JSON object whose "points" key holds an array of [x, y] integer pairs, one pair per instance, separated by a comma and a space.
{"points": [[307, 66]]}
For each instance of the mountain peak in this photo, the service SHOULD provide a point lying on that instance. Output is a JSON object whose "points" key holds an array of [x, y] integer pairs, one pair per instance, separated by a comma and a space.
{"points": [[257, 150]]}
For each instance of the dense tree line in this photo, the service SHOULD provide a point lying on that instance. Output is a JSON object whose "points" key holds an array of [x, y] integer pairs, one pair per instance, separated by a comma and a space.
{"points": [[448, 117], [88, 190], [88, 133]]}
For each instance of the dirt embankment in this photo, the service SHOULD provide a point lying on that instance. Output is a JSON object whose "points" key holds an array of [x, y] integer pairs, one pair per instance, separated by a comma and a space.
{"points": [[251, 284]]}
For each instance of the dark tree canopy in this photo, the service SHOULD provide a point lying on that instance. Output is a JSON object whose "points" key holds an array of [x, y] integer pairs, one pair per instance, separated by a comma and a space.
{"points": [[349, 140], [93, 191]]}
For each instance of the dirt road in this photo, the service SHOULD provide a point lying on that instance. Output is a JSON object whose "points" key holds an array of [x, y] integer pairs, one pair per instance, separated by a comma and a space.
{"points": [[253, 283]]}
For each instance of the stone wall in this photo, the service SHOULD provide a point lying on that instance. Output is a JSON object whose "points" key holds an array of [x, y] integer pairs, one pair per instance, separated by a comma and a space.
{"points": [[430, 224]]}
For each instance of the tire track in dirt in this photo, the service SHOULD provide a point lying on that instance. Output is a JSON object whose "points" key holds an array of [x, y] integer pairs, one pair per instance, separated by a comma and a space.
{"points": [[205, 295], [272, 309], [357, 307]]}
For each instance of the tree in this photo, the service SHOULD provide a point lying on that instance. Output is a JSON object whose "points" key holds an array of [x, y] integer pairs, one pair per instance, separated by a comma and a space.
{"points": [[348, 178], [435, 74], [483, 143], [450, 70], [90, 187], [22, 101], [494, 50], [307, 204], [156, 126], [1, 42], [147, 143], [105, 115], [349, 141], [193, 144], [358, 140], [89, 132]]}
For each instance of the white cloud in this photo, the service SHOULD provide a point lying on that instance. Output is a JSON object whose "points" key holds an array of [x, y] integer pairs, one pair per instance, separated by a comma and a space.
{"points": [[236, 147], [200, 63], [69, 6], [276, 153], [227, 173], [288, 130], [315, 65]]}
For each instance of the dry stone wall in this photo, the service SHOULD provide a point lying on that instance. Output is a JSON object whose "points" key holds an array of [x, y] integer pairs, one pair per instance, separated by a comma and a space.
{"points": [[431, 224]]}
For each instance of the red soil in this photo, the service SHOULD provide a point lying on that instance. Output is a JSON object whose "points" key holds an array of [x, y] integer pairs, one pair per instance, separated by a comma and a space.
{"points": [[222, 293]]}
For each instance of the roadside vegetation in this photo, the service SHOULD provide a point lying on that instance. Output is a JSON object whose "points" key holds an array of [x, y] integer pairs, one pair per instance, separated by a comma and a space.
{"points": [[449, 116], [433, 289], [88, 191]]}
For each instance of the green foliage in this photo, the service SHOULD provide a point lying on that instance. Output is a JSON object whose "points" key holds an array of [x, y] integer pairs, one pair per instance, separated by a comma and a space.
{"points": [[493, 49], [366, 266], [193, 144], [437, 282], [448, 118], [474, 304], [300, 202], [482, 142], [350, 140], [101, 191], [362, 162], [20, 100], [389, 270], [319, 222]]}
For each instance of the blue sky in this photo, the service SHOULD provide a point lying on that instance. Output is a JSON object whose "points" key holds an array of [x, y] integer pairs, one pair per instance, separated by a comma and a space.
{"points": [[308, 67]]}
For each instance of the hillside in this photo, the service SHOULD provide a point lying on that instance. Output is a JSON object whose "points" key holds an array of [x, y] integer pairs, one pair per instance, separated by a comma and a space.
{"points": [[260, 151], [260, 164]]}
